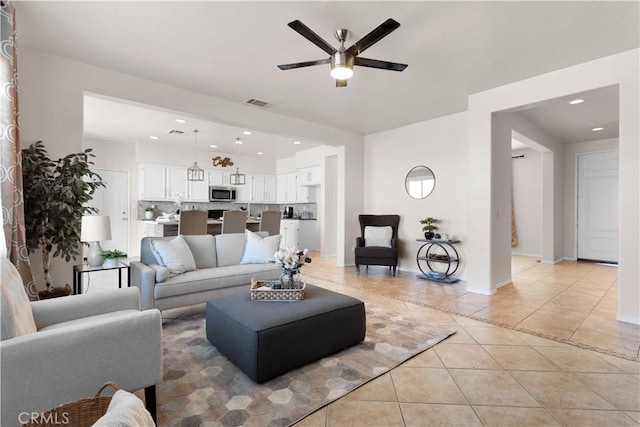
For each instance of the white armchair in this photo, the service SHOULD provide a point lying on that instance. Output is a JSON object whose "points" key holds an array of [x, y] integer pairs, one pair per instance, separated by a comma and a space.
{"points": [[82, 341]]}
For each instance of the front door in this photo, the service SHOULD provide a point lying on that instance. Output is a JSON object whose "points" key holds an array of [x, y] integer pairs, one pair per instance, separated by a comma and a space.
{"points": [[598, 206]]}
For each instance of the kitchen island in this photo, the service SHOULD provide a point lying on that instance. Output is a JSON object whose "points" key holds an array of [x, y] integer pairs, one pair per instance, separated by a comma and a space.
{"points": [[162, 228]]}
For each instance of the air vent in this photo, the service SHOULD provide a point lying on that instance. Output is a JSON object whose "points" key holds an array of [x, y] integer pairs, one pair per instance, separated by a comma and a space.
{"points": [[256, 102], [175, 132]]}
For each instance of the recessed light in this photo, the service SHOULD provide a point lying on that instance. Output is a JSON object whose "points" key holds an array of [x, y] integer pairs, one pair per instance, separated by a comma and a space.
{"points": [[238, 141], [246, 132], [297, 142], [153, 137], [213, 146], [576, 101], [260, 153], [597, 129], [181, 121]]}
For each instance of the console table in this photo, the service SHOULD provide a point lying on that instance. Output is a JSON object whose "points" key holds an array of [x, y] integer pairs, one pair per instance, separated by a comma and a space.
{"points": [[78, 270], [439, 256]]}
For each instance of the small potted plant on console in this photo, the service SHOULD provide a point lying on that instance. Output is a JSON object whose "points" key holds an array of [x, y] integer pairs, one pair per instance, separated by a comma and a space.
{"points": [[112, 258], [429, 226]]}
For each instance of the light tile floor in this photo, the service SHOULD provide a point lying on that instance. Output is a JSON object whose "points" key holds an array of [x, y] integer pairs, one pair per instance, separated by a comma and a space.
{"points": [[499, 376], [491, 375]]}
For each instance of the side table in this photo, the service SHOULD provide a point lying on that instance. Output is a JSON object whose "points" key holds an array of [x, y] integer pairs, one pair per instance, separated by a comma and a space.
{"points": [[436, 252], [78, 270]]}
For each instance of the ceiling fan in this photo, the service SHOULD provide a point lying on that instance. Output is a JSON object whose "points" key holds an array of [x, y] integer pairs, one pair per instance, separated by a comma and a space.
{"points": [[342, 60]]}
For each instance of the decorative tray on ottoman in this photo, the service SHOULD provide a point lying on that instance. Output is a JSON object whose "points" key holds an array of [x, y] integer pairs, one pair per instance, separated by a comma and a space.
{"points": [[262, 290]]}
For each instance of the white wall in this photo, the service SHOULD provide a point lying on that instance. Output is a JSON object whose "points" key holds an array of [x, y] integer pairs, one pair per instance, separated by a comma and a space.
{"points": [[527, 201], [51, 109], [570, 160], [620, 69], [439, 144], [552, 183]]}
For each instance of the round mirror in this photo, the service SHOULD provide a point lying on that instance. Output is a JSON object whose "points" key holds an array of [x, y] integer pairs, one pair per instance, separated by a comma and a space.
{"points": [[420, 182]]}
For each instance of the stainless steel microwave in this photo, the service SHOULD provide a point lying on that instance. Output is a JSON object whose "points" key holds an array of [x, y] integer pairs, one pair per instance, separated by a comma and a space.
{"points": [[222, 194]]}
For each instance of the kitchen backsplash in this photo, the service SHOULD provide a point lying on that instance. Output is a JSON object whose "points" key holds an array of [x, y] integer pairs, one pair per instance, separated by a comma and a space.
{"points": [[256, 208]]}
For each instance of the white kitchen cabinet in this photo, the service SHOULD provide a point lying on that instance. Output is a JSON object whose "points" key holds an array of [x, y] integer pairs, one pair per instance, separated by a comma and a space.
{"points": [[219, 177], [287, 188], [151, 182], [302, 192], [308, 235], [270, 188], [160, 182], [197, 191], [263, 188], [176, 181], [290, 232], [257, 188], [243, 192], [310, 176]]}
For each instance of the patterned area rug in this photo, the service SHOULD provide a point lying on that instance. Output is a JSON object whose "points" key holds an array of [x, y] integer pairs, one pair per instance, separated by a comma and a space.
{"points": [[201, 387]]}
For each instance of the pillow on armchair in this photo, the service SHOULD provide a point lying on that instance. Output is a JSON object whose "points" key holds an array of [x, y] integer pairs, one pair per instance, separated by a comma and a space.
{"points": [[378, 236], [17, 317]]}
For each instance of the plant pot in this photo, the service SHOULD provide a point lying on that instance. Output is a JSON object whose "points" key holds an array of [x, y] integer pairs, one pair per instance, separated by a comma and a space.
{"points": [[55, 292], [111, 263], [148, 214], [429, 235]]}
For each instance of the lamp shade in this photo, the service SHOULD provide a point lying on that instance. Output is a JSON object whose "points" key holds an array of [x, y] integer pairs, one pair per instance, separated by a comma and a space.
{"points": [[95, 228]]}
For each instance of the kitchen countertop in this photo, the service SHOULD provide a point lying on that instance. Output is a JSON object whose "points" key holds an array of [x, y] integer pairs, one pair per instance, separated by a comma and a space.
{"points": [[209, 221]]}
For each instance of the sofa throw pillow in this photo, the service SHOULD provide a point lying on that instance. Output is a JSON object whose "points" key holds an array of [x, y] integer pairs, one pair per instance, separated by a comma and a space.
{"points": [[259, 250], [230, 248], [15, 308], [203, 248], [162, 272], [173, 254], [125, 410], [378, 236]]}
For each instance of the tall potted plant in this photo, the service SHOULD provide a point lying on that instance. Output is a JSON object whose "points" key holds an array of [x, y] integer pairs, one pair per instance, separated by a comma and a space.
{"points": [[55, 197]]}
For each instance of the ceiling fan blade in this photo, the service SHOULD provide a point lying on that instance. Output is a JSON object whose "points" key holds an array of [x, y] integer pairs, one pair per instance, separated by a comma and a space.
{"points": [[373, 37], [376, 63], [304, 64], [308, 34], [341, 83]]}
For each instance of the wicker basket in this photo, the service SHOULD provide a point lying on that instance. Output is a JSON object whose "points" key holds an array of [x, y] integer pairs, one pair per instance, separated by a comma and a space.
{"points": [[79, 413], [274, 294]]}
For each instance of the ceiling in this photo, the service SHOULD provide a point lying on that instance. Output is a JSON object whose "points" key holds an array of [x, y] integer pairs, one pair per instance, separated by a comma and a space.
{"points": [[114, 120], [230, 50]]}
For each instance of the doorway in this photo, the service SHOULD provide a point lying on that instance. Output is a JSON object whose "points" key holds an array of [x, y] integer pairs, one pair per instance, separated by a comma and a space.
{"points": [[113, 200], [597, 206]]}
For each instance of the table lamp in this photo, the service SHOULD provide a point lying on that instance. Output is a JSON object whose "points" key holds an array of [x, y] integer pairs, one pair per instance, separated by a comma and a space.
{"points": [[94, 229]]}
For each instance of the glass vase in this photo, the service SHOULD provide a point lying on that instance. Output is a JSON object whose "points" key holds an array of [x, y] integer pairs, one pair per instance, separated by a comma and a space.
{"points": [[291, 279]]}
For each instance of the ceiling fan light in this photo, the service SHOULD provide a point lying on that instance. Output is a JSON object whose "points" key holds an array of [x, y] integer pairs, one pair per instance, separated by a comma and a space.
{"points": [[341, 66], [341, 72]]}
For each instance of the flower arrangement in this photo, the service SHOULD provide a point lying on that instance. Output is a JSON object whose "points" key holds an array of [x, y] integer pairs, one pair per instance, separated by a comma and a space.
{"points": [[291, 259], [178, 198]]}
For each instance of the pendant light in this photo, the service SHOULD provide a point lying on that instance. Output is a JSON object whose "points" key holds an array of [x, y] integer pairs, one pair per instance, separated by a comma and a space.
{"points": [[194, 173], [238, 178]]}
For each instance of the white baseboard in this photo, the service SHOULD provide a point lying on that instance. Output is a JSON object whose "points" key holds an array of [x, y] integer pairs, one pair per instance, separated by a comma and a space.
{"points": [[504, 283], [527, 255], [627, 319], [480, 291]]}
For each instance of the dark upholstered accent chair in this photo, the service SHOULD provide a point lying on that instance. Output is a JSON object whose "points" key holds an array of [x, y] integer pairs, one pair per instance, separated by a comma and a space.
{"points": [[377, 255]]}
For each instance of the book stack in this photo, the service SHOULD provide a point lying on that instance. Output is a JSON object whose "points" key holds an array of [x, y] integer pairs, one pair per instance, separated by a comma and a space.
{"points": [[436, 275]]}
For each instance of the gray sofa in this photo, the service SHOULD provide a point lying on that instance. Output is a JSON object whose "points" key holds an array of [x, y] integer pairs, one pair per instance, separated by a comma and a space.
{"points": [[218, 270]]}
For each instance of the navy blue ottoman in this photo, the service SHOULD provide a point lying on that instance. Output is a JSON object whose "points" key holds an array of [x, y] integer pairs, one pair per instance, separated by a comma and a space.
{"points": [[269, 338]]}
